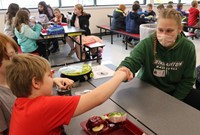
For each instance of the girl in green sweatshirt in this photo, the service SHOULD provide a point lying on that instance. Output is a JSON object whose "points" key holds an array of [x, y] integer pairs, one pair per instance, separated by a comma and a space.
{"points": [[166, 59]]}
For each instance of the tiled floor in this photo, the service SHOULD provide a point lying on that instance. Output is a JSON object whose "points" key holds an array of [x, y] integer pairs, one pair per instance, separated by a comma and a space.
{"points": [[112, 53]]}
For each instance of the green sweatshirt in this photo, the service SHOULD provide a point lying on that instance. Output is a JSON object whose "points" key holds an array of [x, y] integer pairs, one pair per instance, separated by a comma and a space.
{"points": [[173, 70]]}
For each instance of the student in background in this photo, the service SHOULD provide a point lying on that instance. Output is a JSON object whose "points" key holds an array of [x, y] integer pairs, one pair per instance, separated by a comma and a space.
{"points": [[45, 15], [169, 6], [36, 105], [180, 9], [9, 20], [45, 9], [150, 15], [133, 20], [26, 35], [140, 9], [161, 60], [80, 19], [193, 15], [159, 9], [119, 18], [59, 18]]}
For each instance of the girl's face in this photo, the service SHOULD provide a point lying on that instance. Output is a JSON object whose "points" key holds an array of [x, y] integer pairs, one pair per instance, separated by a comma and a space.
{"points": [[57, 14], [167, 31], [77, 11], [41, 8]]}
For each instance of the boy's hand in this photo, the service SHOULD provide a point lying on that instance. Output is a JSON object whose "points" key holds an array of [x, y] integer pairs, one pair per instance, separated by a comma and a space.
{"points": [[63, 83], [128, 73]]}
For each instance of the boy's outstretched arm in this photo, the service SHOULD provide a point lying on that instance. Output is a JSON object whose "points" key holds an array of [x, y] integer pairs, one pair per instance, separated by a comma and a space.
{"points": [[100, 94]]}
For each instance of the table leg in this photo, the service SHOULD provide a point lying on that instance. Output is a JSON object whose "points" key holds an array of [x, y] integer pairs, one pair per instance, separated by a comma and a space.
{"points": [[81, 48]]}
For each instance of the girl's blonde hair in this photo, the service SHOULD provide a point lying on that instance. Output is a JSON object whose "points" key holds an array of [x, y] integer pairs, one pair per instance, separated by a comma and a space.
{"points": [[171, 14], [79, 7]]}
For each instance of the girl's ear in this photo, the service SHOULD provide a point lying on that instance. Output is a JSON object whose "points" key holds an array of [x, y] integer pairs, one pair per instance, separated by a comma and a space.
{"points": [[35, 83], [180, 29]]}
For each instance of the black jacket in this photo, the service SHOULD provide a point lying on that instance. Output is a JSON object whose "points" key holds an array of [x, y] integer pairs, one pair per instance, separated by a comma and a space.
{"points": [[118, 20], [83, 22]]}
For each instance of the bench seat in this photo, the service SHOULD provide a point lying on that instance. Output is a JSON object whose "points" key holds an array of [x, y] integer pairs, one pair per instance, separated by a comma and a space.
{"points": [[121, 32]]}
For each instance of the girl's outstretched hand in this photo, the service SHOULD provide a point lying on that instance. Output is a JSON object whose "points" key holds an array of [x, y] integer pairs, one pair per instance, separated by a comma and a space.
{"points": [[129, 74]]}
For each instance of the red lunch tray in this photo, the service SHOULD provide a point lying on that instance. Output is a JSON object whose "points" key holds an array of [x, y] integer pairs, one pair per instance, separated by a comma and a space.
{"points": [[126, 128]]}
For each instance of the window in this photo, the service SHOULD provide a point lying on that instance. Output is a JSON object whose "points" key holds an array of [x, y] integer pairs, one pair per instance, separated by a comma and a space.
{"points": [[65, 3], [165, 1], [186, 1], [116, 2], [26, 3]]}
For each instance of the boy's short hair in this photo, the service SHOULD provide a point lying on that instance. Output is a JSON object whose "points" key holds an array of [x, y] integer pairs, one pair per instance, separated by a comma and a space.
{"points": [[161, 6], [122, 7], [169, 6], [170, 2], [136, 2], [194, 3], [4, 40], [149, 5], [135, 7], [57, 9], [179, 5], [22, 69]]}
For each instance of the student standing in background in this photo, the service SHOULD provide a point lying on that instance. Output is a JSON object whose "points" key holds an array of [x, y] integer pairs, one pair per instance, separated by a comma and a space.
{"points": [[9, 20]]}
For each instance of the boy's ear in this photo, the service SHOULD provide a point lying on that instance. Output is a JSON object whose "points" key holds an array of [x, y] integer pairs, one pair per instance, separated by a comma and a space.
{"points": [[35, 83]]}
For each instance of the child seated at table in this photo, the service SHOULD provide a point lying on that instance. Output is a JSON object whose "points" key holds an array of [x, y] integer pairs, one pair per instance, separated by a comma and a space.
{"points": [[180, 9], [149, 13], [133, 21], [193, 18], [193, 15], [140, 9], [119, 18], [26, 35], [36, 111], [58, 19]]}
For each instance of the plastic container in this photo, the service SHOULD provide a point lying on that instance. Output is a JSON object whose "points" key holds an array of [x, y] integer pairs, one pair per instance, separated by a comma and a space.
{"points": [[146, 30]]}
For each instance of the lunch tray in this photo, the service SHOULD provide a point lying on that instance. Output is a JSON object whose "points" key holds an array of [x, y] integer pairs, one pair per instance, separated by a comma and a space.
{"points": [[125, 128]]}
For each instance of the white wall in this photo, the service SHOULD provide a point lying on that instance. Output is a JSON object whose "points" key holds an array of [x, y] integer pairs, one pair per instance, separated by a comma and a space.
{"points": [[98, 15]]}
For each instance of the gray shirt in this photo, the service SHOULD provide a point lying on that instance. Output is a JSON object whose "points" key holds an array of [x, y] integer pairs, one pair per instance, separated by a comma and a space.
{"points": [[8, 28], [6, 104]]}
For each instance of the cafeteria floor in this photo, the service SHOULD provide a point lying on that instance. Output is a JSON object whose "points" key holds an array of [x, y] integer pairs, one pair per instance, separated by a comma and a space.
{"points": [[112, 53]]}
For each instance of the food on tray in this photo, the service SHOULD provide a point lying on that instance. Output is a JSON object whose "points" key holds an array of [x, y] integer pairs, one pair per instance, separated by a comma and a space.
{"points": [[116, 117], [96, 124]]}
